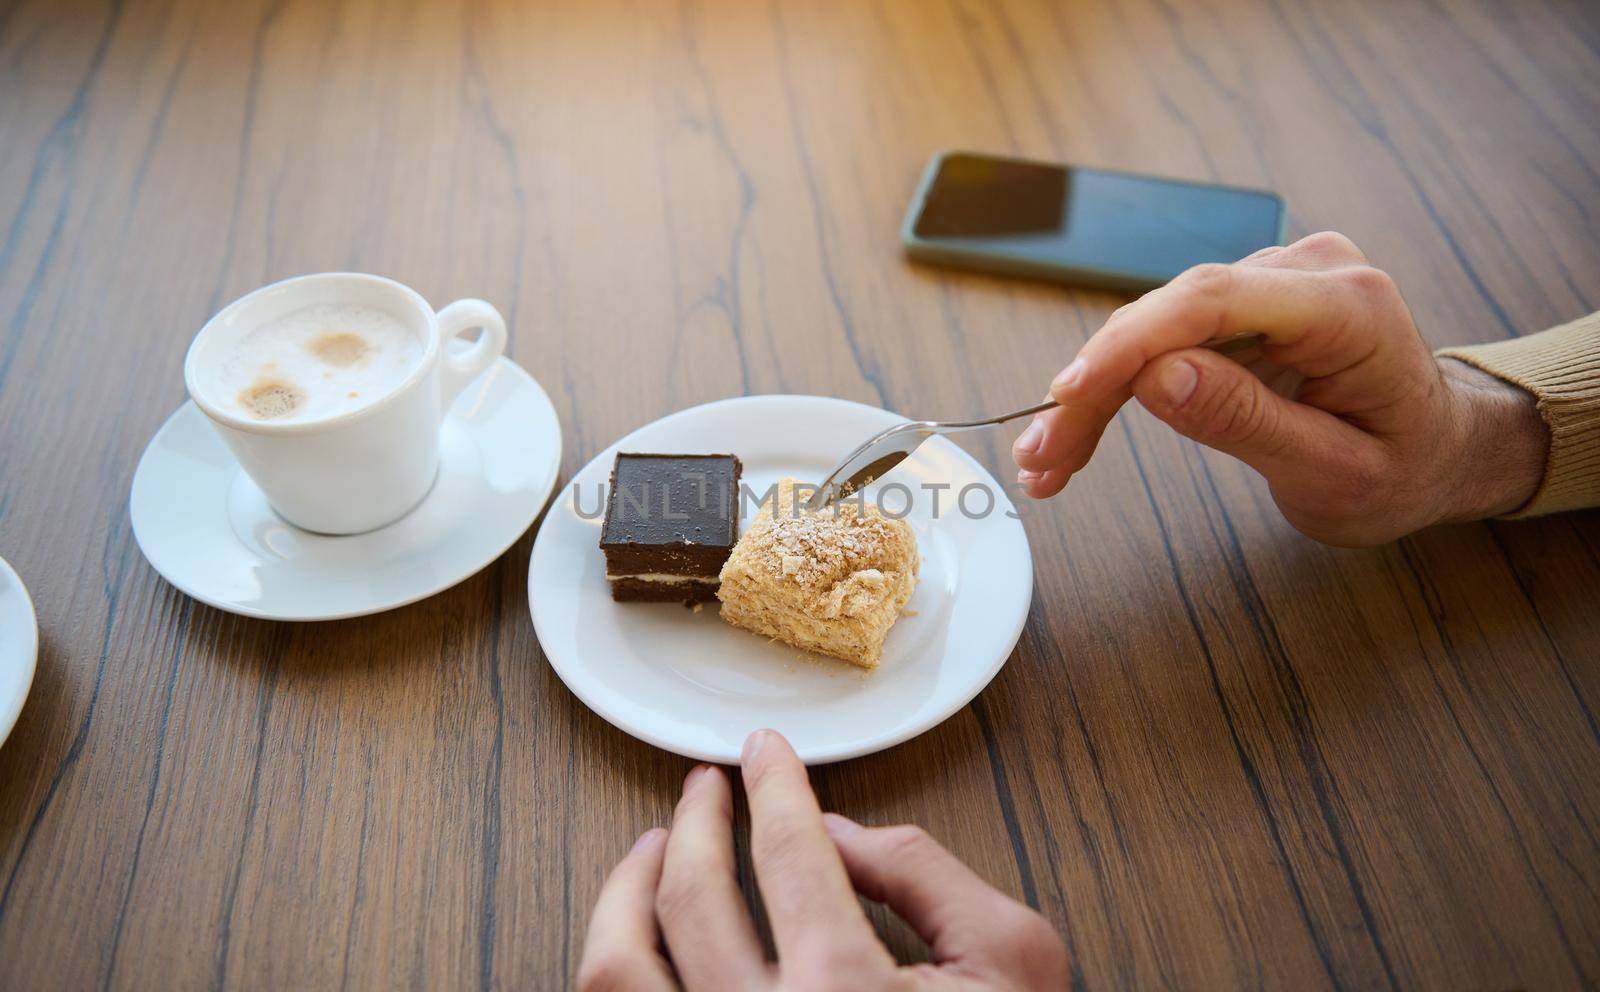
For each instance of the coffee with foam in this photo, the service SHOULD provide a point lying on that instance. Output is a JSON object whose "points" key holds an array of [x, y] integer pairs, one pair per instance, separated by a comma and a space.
{"points": [[312, 364]]}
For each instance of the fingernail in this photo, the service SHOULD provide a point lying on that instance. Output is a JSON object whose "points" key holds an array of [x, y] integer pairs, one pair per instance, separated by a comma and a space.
{"points": [[647, 838], [1177, 383], [752, 745], [839, 826], [1028, 441], [694, 773], [1069, 376]]}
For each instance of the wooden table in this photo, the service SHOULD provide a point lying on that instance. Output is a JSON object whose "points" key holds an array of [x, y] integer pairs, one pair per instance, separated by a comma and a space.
{"points": [[1221, 755]]}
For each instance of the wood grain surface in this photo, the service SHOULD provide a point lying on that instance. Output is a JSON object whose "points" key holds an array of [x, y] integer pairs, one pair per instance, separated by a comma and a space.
{"points": [[1221, 755]]}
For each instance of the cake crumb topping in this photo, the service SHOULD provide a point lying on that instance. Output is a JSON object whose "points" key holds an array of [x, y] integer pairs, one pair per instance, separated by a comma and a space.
{"points": [[821, 549]]}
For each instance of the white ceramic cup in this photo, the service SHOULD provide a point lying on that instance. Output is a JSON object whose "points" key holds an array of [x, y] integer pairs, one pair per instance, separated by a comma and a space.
{"points": [[355, 471]]}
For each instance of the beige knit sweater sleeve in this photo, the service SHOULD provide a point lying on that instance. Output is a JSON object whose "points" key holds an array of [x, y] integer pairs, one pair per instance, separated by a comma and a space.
{"points": [[1561, 368]]}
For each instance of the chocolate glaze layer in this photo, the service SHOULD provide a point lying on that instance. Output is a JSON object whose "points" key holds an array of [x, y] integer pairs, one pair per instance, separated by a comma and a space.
{"points": [[671, 514]]}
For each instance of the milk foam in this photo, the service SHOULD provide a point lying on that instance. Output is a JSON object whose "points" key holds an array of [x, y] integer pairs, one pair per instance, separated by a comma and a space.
{"points": [[316, 362]]}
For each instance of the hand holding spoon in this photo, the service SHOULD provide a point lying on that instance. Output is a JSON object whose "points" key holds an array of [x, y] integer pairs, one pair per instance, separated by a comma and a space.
{"points": [[886, 449]]}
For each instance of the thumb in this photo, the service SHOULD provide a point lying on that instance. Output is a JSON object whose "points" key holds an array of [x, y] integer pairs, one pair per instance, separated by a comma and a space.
{"points": [[945, 902], [1219, 403]]}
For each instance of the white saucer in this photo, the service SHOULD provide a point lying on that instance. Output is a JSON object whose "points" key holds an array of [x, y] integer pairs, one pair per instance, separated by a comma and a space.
{"points": [[208, 529], [689, 683], [19, 646]]}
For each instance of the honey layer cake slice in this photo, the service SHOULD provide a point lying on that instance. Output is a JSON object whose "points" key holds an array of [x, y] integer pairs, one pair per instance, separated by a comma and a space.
{"points": [[832, 582]]}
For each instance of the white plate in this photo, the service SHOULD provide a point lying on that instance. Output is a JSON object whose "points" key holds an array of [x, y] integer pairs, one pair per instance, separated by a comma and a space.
{"points": [[208, 529], [19, 646], [689, 683]]}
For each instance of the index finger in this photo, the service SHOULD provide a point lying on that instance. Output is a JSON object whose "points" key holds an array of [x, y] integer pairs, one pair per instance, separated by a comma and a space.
{"points": [[1315, 317], [808, 895]]}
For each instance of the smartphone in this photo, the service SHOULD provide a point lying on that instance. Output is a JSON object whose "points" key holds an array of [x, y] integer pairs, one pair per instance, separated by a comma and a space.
{"points": [[1090, 227]]}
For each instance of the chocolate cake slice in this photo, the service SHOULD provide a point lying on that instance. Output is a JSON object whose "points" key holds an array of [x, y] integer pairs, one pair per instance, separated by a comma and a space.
{"points": [[671, 521]]}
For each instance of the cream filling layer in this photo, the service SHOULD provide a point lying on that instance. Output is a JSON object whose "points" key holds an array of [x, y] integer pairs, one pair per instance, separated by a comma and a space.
{"points": [[666, 577]]}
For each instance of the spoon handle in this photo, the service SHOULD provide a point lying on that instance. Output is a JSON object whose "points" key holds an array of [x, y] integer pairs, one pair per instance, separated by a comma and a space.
{"points": [[1222, 346], [975, 424]]}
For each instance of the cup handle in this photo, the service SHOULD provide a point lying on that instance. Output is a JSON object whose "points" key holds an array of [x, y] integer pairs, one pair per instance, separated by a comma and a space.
{"points": [[456, 370]]}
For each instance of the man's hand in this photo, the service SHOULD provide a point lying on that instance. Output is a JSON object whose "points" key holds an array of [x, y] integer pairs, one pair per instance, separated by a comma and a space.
{"points": [[1362, 435], [671, 915]]}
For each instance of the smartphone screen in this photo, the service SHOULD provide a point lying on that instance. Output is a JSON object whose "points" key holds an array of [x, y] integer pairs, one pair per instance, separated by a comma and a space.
{"points": [[1093, 226]]}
